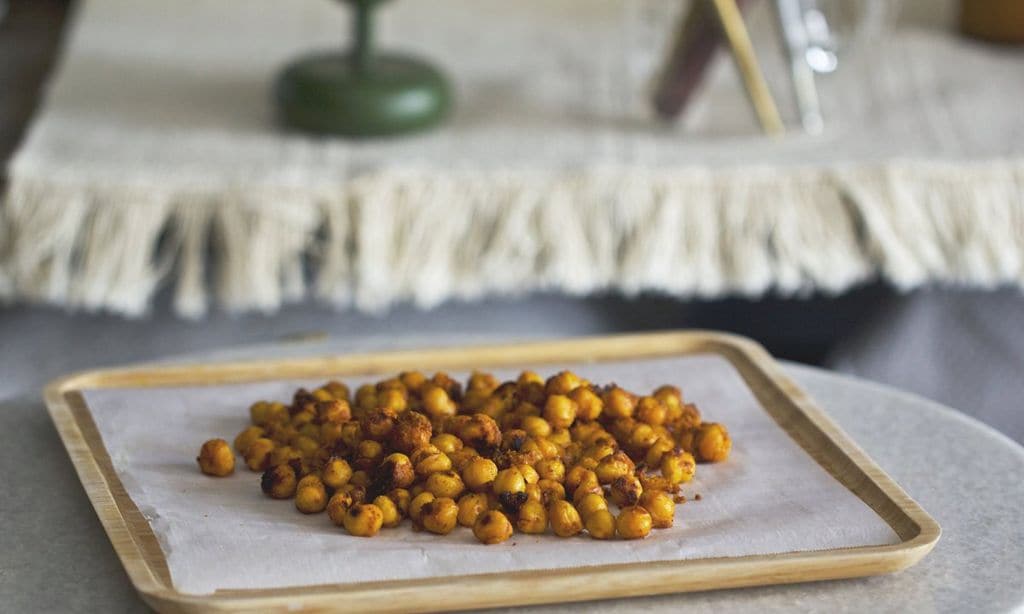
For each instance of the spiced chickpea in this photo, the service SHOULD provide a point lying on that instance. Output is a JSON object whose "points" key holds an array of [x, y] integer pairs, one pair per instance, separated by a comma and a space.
{"points": [[532, 517], [391, 517], [447, 443], [626, 490], [492, 527], [600, 524], [614, 466], [560, 411], [589, 405], [510, 488], [660, 506], [445, 484], [437, 403], [310, 495], [479, 474], [711, 444], [633, 523], [279, 482], [564, 519], [257, 455], [562, 383], [338, 506], [417, 503], [440, 515], [363, 520], [401, 497], [471, 505], [618, 403], [246, 437], [590, 503], [216, 458], [651, 410], [678, 466]]}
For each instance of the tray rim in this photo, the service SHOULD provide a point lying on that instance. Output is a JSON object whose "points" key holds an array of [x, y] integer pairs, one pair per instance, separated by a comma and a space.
{"points": [[134, 540]]}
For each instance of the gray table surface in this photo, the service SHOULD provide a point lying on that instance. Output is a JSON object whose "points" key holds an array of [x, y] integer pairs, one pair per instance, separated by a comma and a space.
{"points": [[54, 555]]}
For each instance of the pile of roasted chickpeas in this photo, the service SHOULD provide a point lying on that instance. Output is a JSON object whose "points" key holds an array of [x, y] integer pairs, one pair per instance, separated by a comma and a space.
{"points": [[526, 455]]}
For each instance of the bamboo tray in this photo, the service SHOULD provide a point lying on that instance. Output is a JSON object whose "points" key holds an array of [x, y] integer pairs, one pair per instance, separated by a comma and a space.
{"points": [[141, 555]]}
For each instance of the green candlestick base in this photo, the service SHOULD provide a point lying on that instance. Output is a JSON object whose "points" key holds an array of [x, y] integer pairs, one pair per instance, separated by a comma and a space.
{"points": [[336, 93]]}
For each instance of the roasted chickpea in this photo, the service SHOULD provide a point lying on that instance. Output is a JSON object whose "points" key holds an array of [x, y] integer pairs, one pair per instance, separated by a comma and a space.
{"points": [[535, 426], [510, 488], [551, 469], [600, 524], [246, 437], [634, 522], [711, 444], [401, 497], [440, 515], [259, 413], [310, 495], [480, 432], [417, 503], [590, 503], [589, 405], [561, 437], [626, 490], [437, 403], [363, 520], [660, 506], [529, 473], [562, 383], [462, 457], [445, 484], [257, 456], [479, 474], [651, 410], [393, 401], [377, 424], [395, 471], [565, 520], [689, 417], [550, 490], [532, 518], [529, 377], [433, 463], [447, 443], [618, 403], [351, 434], [216, 458], [338, 506], [336, 472], [330, 433], [678, 466], [615, 466], [391, 517], [355, 492], [338, 390], [307, 446], [657, 450], [560, 411], [335, 410], [279, 482], [472, 505], [366, 397], [492, 527], [360, 478], [642, 437], [533, 493], [543, 446], [284, 455]]}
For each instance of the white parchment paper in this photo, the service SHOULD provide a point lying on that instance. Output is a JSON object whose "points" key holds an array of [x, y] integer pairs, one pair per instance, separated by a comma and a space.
{"points": [[769, 497]]}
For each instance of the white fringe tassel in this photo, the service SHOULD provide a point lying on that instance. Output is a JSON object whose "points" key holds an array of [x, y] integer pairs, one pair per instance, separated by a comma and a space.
{"points": [[429, 236]]}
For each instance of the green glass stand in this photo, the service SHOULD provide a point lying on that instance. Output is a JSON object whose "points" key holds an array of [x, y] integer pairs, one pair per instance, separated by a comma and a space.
{"points": [[361, 93]]}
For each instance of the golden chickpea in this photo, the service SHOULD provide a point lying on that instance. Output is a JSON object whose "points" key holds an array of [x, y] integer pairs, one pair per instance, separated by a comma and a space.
{"points": [[562, 383], [510, 488], [565, 520], [391, 517], [529, 473], [395, 471], [401, 497], [529, 377], [589, 405], [678, 466], [535, 426], [550, 490], [417, 503], [377, 424], [423, 452], [216, 458], [279, 482], [311, 430], [366, 397], [363, 520], [600, 524], [533, 493], [440, 515], [322, 394], [246, 437], [336, 472], [351, 434], [634, 522], [560, 411], [307, 446], [470, 507], [543, 446], [618, 403], [479, 474], [462, 457], [711, 444], [642, 437], [355, 492], [657, 450], [445, 484], [334, 410], [551, 469], [437, 403], [532, 518], [392, 400], [338, 506], [660, 506], [480, 432], [259, 413], [651, 410], [433, 463], [492, 527], [257, 456], [574, 476], [686, 439], [337, 389], [590, 503], [447, 443], [330, 433], [360, 478], [304, 417], [311, 498], [282, 455], [615, 466], [561, 437], [626, 490]]}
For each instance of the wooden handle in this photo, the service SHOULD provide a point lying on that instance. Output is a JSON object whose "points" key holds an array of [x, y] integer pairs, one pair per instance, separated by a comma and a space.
{"points": [[746, 60]]}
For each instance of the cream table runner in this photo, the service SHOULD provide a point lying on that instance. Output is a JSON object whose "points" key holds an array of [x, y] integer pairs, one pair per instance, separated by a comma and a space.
{"points": [[155, 160]]}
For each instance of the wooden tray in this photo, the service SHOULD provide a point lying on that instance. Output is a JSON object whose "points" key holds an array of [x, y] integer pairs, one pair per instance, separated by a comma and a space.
{"points": [[140, 552]]}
